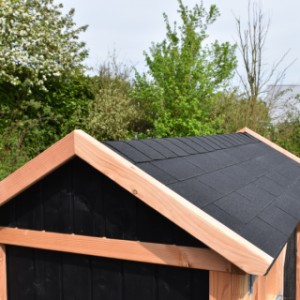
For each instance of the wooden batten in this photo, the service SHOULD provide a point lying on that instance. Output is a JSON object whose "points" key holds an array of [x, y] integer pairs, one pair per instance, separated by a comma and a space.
{"points": [[180, 256], [199, 224], [3, 279]]}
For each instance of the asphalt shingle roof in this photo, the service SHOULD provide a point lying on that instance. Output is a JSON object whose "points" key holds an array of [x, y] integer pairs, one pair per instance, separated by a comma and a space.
{"points": [[240, 181]]}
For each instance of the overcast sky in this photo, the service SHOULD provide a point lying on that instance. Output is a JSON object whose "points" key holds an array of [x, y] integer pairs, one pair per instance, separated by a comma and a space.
{"points": [[129, 27]]}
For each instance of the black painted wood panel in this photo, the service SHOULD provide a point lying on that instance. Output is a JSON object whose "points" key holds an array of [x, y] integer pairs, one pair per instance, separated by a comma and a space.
{"points": [[44, 275], [78, 199]]}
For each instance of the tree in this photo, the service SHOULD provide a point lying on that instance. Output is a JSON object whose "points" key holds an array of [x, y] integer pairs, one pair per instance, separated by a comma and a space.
{"points": [[175, 95], [37, 42], [42, 85], [231, 110], [258, 77], [287, 135], [111, 114]]}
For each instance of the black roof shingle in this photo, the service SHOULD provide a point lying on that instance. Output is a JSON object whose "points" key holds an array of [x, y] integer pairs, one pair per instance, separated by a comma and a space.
{"points": [[235, 178]]}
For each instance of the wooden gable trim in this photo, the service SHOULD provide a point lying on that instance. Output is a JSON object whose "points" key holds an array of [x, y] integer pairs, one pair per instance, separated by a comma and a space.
{"points": [[195, 221], [184, 214], [37, 168], [163, 254], [271, 144]]}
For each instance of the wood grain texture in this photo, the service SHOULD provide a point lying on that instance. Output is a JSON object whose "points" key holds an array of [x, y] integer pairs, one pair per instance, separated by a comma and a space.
{"points": [[181, 256], [3, 279], [270, 286], [199, 224], [227, 286], [271, 144], [298, 263], [219, 286], [37, 168]]}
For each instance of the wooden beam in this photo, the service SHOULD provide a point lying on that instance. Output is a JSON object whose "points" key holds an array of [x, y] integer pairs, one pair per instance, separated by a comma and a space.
{"points": [[298, 263], [271, 144], [195, 221], [181, 256], [37, 168], [3, 280]]}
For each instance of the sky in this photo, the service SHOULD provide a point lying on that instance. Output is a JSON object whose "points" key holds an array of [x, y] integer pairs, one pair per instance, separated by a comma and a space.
{"points": [[128, 27]]}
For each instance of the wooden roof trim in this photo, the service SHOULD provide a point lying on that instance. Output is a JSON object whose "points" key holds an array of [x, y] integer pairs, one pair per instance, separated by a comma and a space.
{"points": [[271, 144], [163, 254], [37, 168], [199, 224]]}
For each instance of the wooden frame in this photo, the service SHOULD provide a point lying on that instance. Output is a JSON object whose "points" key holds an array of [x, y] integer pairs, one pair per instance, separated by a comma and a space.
{"points": [[196, 222], [180, 256]]}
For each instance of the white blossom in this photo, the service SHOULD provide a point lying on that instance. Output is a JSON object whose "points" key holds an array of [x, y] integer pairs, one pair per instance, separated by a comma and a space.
{"points": [[42, 41]]}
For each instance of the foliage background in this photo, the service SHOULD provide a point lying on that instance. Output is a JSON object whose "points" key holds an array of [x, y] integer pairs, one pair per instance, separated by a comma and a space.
{"points": [[185, 90]]}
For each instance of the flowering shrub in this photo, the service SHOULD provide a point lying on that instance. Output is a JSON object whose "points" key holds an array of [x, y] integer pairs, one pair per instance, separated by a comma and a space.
{"points": [[37, 42]]}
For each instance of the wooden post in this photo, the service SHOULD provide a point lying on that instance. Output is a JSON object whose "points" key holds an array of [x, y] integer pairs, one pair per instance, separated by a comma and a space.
{"points": [[3, 285], [226, 286], [298, 263]]}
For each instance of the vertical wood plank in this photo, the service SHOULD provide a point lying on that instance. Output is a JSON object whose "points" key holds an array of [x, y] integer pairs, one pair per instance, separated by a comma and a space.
{"points": [[219, 286], [57, 196], [139, 281], [21, 277], [3, 283], [298, 263], [236, 287], [76, 277], [200, 284], [270, 286], [173, 283], [107, 279], [240, 287]]}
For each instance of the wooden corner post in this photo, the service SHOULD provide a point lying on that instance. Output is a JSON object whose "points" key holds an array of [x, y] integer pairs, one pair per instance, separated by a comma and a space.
{"points": [[225, 286], [3, 284]]}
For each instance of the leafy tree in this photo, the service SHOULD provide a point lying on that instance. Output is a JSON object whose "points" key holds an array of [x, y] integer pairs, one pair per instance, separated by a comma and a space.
{"points": [[232, 111], [175, 95], [37, 42], [43, 89], [287, 135], [111, 114]]}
